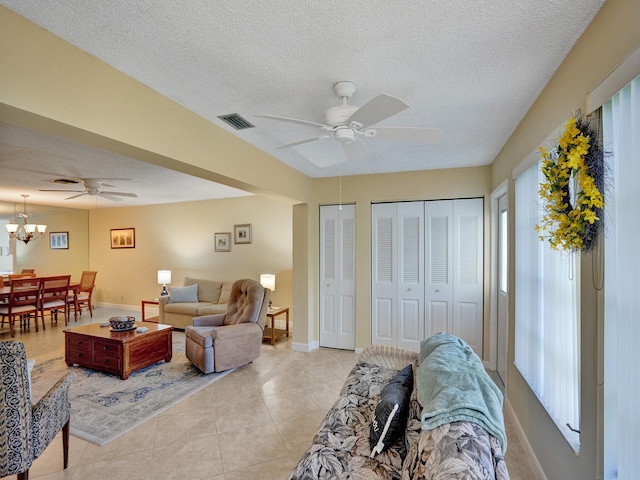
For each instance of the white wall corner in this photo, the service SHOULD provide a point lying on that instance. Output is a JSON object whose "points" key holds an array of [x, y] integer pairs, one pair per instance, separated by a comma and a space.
{"points": [[304, 347]]}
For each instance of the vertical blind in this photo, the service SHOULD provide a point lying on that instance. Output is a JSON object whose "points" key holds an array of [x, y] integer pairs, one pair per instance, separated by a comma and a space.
{"points": [[621, 121], [546, 323]]}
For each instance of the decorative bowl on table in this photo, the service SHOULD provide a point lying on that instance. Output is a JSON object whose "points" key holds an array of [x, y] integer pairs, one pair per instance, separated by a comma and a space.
{"points": [[121, 324]]}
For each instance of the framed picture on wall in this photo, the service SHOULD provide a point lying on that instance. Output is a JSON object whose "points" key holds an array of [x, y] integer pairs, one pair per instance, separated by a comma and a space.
{"points": [[222, 242], [242, 233], [59, 240], [123, 238]]}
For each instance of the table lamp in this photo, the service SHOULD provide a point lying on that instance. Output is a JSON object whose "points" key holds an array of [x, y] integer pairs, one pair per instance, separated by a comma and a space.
{"points": [[268, 280], [164, 278]]}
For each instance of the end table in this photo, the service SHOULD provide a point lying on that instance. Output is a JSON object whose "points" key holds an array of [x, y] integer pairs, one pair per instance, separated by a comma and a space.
{"points": [[272, 333], [149, 302]]}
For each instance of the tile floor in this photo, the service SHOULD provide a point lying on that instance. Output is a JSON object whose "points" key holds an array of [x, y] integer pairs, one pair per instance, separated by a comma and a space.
{"points": [[254, 423]]}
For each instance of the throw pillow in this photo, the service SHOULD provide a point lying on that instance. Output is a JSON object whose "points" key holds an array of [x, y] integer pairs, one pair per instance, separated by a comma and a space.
{"points": [[392, 411], [225, 293], [184, 294], [208, 290]]}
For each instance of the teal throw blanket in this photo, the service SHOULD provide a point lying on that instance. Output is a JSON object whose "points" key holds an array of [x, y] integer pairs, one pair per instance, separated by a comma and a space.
{"points": [[453, 386]]}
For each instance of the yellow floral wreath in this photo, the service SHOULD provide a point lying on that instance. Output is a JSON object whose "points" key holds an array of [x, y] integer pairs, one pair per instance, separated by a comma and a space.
{"points": [[573, 211]]}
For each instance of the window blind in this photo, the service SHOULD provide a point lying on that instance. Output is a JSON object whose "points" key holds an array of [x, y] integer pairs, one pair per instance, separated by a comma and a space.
{"points": [[621, 122], [546, 322]]}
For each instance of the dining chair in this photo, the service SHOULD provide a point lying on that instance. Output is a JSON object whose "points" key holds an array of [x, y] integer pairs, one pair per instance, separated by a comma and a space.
{"points": [[13, 276], [26, 430], [24, 301], [82, 294], [28, 270], [53, 297]]}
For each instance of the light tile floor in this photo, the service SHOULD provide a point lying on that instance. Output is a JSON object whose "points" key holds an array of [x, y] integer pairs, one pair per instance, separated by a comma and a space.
{"points": [[254, 423]]}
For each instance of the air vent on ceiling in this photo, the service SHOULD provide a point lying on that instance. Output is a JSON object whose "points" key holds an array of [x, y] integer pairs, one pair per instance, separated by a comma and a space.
{"points": [[66, 181], [236, 121]]}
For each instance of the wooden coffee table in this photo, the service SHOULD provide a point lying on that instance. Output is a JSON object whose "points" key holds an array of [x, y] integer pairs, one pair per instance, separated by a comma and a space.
{"points": [[121, 353]]}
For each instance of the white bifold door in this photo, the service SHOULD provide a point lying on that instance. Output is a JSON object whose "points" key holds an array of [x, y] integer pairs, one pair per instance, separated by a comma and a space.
{"points": [[397, 309], [337, 276], [427, 271]]}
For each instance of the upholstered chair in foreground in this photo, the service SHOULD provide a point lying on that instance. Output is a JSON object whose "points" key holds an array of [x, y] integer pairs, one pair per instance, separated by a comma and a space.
{"points": [[219, 342], [26, 429]]}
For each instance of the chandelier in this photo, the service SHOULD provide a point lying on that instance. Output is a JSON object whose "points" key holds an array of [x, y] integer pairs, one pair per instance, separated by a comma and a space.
{"points": [[27, 231]]}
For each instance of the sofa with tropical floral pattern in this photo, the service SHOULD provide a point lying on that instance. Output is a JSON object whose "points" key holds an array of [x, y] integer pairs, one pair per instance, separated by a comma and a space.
{"points": [[341, 446]]}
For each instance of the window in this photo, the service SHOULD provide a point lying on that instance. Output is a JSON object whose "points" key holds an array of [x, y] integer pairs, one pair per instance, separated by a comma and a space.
{"points": [[503, 280], [621, 121], [546, 323]]}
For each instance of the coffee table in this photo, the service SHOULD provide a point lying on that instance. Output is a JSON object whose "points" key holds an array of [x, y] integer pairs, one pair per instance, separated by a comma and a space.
{"points": [[99, 348]]}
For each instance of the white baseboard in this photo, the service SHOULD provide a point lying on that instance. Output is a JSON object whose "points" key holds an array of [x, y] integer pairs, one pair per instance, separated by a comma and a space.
{"points": [[119, 306], [538, 473], [304, 347]]}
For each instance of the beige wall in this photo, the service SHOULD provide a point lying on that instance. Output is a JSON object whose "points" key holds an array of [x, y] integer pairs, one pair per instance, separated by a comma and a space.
{"points": [[179, 237], [363, 190], [613, 34], [37, 253], [176, 237]]}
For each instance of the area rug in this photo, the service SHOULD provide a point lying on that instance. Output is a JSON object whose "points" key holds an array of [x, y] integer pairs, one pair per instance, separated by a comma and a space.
{"points": [[103, 406]]}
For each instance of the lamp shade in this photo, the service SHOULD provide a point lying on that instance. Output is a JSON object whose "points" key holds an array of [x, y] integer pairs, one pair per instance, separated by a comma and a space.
{"points": [[164, 277], [268, 280]]}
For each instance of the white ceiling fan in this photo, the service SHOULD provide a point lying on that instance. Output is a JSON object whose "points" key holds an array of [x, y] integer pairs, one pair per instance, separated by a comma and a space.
{"points": [[92, 186], [349, 124]]}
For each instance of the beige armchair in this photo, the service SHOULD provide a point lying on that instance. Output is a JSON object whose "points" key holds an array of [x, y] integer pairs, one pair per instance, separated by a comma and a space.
{"points": [[215, 343]]}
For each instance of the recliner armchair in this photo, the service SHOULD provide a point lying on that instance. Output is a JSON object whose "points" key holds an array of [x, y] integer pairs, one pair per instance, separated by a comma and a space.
{"points": [[26, 429], [215, 343]]}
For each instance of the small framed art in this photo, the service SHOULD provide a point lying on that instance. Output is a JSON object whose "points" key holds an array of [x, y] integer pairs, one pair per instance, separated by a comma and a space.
{"points": [[59, 240], [123, 238], [222, 242], [242, 233]]}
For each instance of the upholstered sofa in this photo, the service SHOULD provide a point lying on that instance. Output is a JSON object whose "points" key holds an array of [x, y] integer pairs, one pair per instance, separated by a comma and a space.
{"points": [[182, 303], [456, 440]]}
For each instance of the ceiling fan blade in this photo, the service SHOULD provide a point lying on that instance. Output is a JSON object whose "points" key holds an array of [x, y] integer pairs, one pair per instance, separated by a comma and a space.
{"points": [[76, 196], [58, 190], [121, 194], [308, 140], [328, 162], [109, 197], [381, 107], [102, 179], [409, 134], [356, 151], [293, 120]]}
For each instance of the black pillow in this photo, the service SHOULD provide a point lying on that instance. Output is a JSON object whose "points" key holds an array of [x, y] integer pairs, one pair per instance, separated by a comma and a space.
{"points": [[392, 411]]}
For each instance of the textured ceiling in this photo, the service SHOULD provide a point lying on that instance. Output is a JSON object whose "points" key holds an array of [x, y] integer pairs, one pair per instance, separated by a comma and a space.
{"points": [[472, 69]]}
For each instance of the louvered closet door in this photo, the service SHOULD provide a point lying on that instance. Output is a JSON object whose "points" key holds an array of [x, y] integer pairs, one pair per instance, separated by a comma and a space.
{"points": [[337, 277], [439, 271], [454, 263], [398, 271]]}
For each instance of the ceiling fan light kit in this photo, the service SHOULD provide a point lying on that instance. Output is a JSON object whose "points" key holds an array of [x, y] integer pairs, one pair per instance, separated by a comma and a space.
{"points": [[348, 123]]}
